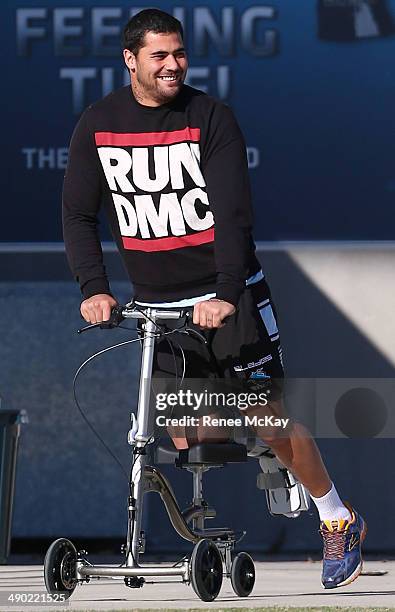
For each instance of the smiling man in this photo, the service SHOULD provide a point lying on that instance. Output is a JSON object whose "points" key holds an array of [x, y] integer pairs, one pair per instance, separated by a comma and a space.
{"points": [[169, 164], [158, 68]]}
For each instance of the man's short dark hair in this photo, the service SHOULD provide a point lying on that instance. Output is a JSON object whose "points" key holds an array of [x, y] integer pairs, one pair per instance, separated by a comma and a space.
{"points": [[148, 20]]}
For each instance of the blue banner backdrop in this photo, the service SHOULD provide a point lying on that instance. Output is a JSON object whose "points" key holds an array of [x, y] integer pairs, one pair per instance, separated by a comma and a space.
{"points": [[310, 82]]}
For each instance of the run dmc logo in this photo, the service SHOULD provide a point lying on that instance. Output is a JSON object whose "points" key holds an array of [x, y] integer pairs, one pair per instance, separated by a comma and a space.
{"points": [[159, 163]]}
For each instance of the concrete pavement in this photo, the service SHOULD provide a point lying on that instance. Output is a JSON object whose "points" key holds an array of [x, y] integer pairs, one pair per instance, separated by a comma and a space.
{"points": [[278, 583]]}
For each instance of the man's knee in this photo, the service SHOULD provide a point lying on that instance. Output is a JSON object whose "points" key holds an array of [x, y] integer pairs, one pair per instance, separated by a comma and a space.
{"points": [[269, 421], [278, 437], [214, 434]]}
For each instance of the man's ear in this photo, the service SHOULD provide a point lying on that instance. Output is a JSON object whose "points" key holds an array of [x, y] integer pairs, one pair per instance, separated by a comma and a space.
{"points": [[130, 59]]}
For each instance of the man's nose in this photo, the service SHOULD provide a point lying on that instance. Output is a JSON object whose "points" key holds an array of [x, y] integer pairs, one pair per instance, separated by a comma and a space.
{"points": [[171, 63]]}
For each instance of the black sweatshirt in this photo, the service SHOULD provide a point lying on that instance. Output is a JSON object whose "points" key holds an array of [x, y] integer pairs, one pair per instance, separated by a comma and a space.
{"points": [[174, 183]]}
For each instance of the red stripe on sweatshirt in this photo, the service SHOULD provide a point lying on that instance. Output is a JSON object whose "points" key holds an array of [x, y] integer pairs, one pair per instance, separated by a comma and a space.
{"points": [[146, 139], [168, 244]]}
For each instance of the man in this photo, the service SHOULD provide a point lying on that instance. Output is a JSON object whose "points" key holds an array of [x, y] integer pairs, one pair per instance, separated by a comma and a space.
{"points": [[169, 163]]}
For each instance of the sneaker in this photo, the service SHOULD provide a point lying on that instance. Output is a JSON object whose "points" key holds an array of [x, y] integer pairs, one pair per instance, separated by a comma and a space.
{"points": [[342, 559]]}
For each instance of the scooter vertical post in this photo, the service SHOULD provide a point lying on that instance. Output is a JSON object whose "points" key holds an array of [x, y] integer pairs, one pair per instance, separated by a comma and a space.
{"points": [[142, 436]]}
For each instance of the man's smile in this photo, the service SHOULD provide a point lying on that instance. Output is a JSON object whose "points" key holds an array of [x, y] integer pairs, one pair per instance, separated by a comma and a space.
{"points": [[169, 77]]}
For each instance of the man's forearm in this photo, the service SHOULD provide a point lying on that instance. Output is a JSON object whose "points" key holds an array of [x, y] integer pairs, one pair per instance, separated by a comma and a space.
{"points": [[81, 203]]}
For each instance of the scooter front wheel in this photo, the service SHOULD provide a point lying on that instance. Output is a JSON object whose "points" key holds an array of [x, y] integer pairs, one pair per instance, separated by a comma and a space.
{"points": [[206, 570], [60, 568]]}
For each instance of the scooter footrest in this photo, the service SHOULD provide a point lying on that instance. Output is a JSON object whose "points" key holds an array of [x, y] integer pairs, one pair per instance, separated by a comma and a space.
{"points": [[273, 480]]}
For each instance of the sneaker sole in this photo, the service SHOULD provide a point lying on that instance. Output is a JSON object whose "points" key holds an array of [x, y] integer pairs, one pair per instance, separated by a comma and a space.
{"points": [[358, 570]]}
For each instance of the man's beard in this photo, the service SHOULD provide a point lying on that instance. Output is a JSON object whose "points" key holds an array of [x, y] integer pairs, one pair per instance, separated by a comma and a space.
{"points": [[157, 93]]}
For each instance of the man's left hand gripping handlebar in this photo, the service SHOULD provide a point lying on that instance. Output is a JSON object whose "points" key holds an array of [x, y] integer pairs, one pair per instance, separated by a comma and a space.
{"points": [[212, 314]]}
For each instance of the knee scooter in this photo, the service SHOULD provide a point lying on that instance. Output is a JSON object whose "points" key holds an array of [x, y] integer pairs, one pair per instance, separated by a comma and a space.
{"points": [[213, 553]]}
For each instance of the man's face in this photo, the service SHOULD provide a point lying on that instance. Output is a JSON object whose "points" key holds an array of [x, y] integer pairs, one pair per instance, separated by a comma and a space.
{"points": [[159, 68]]}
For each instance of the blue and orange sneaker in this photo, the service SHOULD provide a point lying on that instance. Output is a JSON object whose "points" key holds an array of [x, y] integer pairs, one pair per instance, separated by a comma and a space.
{"points": [[342, 558]]}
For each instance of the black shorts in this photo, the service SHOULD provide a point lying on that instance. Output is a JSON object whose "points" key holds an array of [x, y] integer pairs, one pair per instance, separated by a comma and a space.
{"points": [[247, 348]]}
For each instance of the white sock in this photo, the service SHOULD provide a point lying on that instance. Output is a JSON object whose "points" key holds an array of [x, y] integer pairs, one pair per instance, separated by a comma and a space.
{"points": [[330, 507]]}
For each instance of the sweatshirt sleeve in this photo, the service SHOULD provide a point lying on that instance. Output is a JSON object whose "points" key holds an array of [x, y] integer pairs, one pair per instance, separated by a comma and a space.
{"points": [[81, 204], [225, 171]]}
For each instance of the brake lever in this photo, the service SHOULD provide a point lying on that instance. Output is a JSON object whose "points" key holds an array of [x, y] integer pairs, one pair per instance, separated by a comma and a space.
{"points": [[84, 329]]}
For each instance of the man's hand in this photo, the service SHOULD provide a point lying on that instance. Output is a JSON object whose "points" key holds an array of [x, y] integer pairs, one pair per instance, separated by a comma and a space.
{"points": [[209, 314], [97, 308]]}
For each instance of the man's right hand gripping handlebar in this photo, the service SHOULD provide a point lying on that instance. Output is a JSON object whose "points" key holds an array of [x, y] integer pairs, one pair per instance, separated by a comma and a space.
{"points": [[97, 308], [101, 311]]}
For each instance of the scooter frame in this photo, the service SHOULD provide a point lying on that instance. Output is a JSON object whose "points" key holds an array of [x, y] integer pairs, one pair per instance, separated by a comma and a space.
{"points": [[64, 567]]}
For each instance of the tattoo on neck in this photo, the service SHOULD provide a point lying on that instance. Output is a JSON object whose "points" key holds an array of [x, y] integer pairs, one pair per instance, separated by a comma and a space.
{"points": [[137, 94]]}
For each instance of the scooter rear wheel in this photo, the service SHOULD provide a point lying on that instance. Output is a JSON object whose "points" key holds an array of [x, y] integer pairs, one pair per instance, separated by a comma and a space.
{"points": [[242, 574]]}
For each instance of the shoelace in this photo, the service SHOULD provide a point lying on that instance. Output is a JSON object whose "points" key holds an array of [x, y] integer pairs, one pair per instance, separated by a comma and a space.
{"points": [[334, 544]]}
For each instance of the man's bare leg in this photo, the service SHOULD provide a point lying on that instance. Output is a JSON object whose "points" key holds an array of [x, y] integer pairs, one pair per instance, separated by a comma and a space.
{"points": [[179, 437], [295, 448]]}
